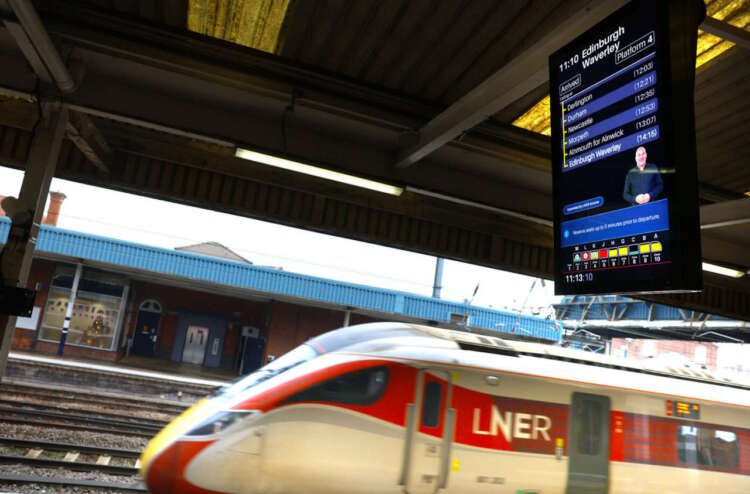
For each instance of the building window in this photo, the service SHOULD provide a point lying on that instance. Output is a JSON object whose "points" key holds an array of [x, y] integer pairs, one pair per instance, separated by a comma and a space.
{"points": [[150, 305], [648, 350], [96, 313], [701, 354], [708, 447]]}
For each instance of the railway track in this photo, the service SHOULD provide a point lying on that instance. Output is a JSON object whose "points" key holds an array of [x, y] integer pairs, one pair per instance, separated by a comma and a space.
{"points": [[7, 405], [73, 395], [65, 482], [44, 454], [72, 457], [78, 421]]}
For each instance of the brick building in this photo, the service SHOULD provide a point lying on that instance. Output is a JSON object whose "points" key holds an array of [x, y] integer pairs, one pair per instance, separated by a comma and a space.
{"points": [[679, 351], [206, 305]]}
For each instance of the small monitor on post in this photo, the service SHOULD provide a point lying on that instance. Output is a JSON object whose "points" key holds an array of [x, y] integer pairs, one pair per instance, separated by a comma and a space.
{"points": [[16, 301]]}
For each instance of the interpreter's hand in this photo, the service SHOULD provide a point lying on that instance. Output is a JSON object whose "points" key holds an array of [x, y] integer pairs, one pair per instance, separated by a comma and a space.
{"points": [[639, 198], [646, 197]]}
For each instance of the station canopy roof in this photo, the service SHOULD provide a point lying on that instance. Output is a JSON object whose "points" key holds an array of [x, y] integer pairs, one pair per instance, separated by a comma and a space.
{"points": [[420, 94]]}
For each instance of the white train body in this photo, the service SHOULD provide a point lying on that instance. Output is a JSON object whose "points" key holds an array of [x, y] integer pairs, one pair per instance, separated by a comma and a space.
{"points": [[396, 408]]}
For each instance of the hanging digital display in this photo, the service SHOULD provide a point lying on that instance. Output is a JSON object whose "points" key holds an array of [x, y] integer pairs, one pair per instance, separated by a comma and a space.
{"points": [[623, 155]]}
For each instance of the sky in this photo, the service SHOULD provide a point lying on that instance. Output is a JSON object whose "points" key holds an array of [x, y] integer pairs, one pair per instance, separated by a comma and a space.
{"points": [[152, 222], [164, 224]]}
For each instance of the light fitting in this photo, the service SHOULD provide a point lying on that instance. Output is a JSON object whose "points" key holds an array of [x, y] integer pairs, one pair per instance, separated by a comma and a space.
{"points": [[713, 268], [316, 171]]}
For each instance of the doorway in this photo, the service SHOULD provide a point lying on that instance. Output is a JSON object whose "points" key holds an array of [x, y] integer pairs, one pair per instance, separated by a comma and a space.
{"points": [[429, 434], [195, 345], [588, 444], [251, 350], [146, 328]]}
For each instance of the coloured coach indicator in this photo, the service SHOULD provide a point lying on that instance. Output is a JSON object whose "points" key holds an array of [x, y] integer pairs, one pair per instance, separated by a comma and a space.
{"points": [[392, 408], [623, 147]]}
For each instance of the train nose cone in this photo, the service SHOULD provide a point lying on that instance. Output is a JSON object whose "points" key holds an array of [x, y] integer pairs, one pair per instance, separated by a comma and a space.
{"points": [[166, 473], [165, 456]]}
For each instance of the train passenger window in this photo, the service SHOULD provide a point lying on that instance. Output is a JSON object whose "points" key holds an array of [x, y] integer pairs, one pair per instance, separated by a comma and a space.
{"points": [[433, 392], [358, 388], [588, 426], [707, 446]]}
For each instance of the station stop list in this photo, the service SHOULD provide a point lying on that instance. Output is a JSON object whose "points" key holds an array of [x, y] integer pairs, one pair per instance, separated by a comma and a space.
{"points": [[615, 176]]}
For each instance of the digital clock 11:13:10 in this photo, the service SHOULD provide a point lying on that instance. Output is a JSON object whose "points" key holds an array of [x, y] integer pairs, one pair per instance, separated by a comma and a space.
{"points": [[579, 277]]}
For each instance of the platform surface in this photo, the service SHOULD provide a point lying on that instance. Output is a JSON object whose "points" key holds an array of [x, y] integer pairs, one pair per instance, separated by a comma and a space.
{"points": [[137, 367]]}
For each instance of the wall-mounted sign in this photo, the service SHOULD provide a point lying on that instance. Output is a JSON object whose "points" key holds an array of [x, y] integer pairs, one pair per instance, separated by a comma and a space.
{"points": [[623, 149]]}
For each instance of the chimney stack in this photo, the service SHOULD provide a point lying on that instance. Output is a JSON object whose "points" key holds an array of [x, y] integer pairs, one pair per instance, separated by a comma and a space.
{"points": [[53, 212]]}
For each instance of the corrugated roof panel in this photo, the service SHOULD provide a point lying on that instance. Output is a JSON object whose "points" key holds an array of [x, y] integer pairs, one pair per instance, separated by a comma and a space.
{"points": [[252, 23], [183, 264], [733, 12]]}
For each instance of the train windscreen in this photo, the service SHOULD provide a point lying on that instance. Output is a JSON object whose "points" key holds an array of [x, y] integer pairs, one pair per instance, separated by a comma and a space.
{"points": [[299, 355], [325, 343]]}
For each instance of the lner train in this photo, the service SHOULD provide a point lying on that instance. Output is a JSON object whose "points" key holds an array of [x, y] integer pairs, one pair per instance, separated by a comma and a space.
{"points": [[398, 408]]}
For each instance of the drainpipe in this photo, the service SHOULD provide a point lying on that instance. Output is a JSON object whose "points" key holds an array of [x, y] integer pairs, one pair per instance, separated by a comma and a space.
{"points": [[69, 309], [438, 284], [29, 19]]}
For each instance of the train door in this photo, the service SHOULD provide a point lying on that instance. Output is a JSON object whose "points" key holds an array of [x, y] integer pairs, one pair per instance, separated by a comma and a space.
{"points": [[588, 444], [195, 345], [429, 434]]}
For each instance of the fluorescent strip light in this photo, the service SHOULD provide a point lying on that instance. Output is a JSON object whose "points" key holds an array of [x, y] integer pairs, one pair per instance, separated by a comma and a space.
{"points": [[315, 171], [713, 268]]}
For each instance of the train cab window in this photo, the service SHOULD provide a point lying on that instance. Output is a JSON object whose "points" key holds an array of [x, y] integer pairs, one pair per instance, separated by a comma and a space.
{"points": [[588, 427], [433, 392], [707, 446], [358, 388]]}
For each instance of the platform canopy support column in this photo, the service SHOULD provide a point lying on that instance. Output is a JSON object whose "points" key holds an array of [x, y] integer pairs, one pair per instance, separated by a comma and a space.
{"points": [[40, 168]]}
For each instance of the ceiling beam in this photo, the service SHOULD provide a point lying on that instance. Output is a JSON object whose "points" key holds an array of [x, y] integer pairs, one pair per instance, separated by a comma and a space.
{"points": [[29, 52], [526, 72], [17, 112], [37, 46], [87, 138], [724, 30], [718, 250], [723, 214]]}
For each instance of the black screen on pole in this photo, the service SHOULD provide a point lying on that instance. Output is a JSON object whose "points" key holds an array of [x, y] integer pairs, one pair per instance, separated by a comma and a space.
{"points": [[625, 195]]}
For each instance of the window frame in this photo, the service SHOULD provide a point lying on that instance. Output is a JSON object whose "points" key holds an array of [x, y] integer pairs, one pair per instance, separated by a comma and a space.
{"points": [[589, 429], [699, 459], [436, 405], [62, 289], [317, 393]]}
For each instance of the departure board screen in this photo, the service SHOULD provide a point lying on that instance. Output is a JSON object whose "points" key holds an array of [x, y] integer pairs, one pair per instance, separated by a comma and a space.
{"points": [[616, 177]]}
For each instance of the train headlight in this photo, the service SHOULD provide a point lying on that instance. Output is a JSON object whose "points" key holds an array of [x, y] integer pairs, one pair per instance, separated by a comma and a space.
{"points": [[219, 422]]}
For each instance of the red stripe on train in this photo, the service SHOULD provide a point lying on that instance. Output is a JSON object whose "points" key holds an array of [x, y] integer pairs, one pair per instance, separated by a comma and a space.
{"points": [[166, 474]]}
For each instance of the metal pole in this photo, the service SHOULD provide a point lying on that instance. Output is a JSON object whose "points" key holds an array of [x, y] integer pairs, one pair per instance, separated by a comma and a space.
{"points": [[468, 305], [438, 284], [518, 316], [40, 167], [69, 309], [347, 315], [117, 337], [244, 352], [44, 46]]}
